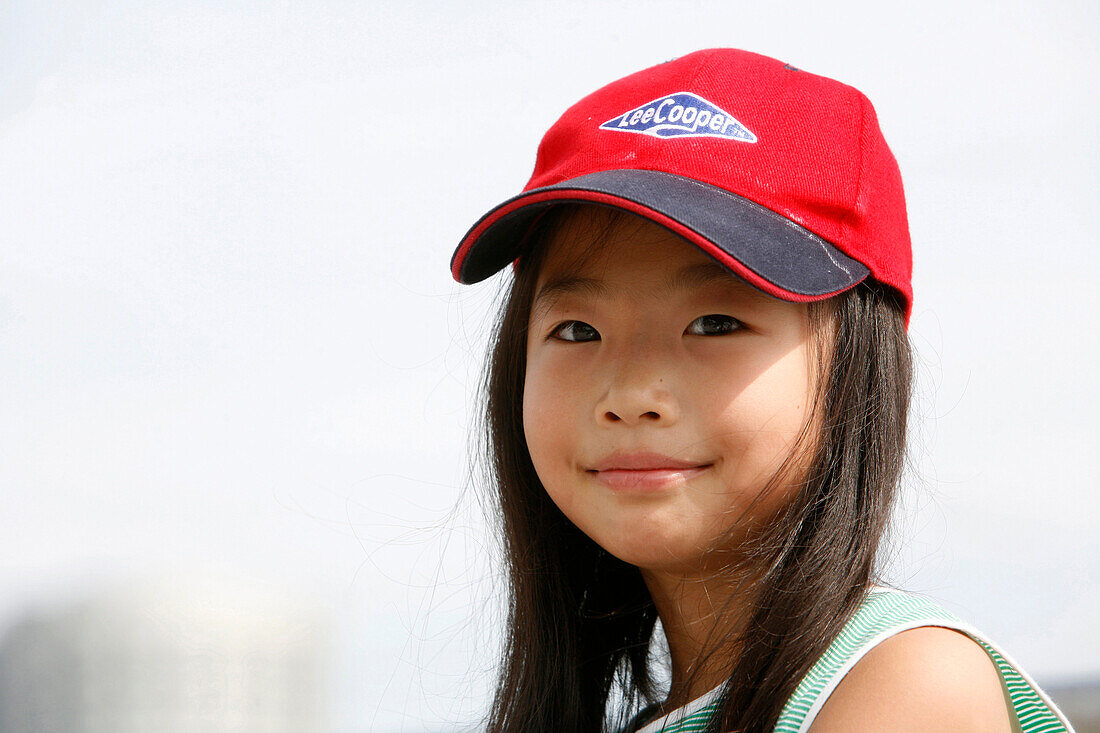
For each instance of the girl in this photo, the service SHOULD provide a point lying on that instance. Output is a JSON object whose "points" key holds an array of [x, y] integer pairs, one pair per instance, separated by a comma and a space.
{"points": [[696, 410]]}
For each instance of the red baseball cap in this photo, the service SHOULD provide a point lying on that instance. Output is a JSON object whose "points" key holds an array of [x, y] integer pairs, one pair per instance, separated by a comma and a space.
{"points": [[781, 175]]}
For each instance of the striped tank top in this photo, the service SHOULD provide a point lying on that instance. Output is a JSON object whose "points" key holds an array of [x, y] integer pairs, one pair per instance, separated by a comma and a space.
{"points": [[883, 613]]}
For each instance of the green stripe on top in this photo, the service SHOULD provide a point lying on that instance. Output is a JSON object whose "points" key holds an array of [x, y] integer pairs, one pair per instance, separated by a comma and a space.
{"points": [[883, 613], [692, 723]]}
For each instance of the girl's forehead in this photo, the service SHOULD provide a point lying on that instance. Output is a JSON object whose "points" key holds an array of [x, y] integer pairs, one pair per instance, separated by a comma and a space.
{"points": [[662, 269], [596, 239]]}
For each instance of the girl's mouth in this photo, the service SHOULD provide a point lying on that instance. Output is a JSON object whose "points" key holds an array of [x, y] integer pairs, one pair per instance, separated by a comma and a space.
{"points": [[649, 479], [644, 471]]}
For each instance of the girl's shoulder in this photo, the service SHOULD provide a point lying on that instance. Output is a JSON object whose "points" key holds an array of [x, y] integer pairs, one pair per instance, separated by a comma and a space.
{"points": [[921, 679], [933, 659], [923, 661]]}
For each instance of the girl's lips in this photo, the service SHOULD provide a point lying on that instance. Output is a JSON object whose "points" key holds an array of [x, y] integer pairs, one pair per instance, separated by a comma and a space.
{"points": [[644, 471], [642, 461], [651, 479]]}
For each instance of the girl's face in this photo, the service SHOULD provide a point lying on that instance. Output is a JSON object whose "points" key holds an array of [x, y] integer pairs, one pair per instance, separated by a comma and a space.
{"points": [[662, 392]]}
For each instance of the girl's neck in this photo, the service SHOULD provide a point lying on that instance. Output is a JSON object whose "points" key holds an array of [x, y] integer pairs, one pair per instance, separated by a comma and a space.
{"points": [[698, 613]]}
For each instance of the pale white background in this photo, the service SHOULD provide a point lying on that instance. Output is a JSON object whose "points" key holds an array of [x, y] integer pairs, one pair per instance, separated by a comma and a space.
{"points": [[229, 338]]}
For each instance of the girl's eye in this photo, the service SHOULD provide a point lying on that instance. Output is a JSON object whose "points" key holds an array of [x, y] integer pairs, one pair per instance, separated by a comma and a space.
{"points": [[575, 331], [713, 325]]}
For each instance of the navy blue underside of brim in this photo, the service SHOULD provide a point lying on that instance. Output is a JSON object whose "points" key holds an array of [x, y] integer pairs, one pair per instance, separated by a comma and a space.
{"points": [[772, 246]]}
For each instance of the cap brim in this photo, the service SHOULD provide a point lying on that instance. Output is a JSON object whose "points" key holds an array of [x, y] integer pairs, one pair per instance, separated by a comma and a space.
{"points": [[767, 250]]}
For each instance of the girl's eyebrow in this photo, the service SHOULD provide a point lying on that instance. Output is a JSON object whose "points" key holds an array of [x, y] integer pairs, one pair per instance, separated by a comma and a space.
{"points": [[567, 285], [688, 277], [702, 274], [556, 287]]}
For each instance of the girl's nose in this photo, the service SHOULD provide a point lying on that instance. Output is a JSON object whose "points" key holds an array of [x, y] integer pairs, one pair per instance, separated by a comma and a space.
{"points": [[638, 393]]}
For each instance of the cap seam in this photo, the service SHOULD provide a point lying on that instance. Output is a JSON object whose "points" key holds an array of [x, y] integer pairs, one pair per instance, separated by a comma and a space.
{"points": [[664, 153], [845, 220]]}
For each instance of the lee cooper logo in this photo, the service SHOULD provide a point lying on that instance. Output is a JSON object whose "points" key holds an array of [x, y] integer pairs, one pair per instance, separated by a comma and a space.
{"points": [[680, 115]]}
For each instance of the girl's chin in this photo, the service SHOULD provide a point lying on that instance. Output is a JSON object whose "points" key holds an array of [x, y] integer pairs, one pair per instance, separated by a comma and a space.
{"points": [[663, 547], [681, 558]]}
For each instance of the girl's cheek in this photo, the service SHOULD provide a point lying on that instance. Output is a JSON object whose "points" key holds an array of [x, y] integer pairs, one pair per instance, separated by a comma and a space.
{"points": [[550, 416], [538, 412]]}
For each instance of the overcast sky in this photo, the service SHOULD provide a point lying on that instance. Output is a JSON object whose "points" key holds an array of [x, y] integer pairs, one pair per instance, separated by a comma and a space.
{"points": [[229, 338]]}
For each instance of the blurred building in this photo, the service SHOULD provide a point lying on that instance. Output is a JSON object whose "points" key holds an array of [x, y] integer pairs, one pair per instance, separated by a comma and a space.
{"points": [[1080, 701], [174, 655]]}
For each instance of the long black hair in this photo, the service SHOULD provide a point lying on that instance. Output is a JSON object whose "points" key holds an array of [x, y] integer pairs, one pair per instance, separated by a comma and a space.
{"points": [[580, 621]]}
